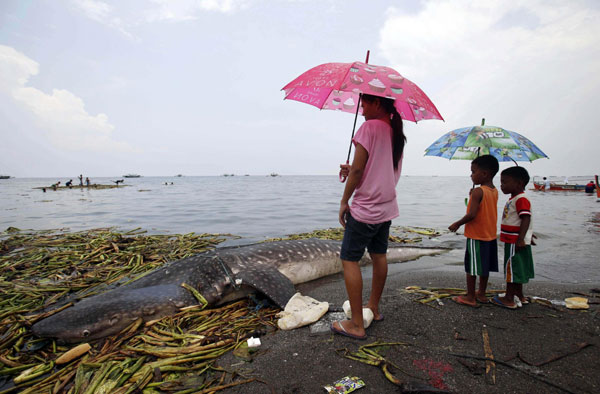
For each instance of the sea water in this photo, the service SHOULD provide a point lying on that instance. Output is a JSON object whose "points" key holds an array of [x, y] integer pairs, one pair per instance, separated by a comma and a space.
{"points": [[258, 207]]}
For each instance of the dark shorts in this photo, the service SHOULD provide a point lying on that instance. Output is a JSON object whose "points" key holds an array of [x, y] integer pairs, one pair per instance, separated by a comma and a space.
{"points": [[359, 235], [481, 257]]}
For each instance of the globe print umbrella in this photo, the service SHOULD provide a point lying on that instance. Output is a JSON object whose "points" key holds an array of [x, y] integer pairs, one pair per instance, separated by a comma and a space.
{"points": [[470, 142]]}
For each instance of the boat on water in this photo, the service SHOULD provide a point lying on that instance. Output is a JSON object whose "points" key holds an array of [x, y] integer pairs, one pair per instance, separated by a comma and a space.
{"points": [[575, 184], [4, 176], [131, 176], [560, 187]]}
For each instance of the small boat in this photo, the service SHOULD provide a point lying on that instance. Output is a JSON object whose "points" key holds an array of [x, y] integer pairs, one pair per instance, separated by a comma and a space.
{"points": [[4, 176], [560, 187], [131, 176], [577, 185]]}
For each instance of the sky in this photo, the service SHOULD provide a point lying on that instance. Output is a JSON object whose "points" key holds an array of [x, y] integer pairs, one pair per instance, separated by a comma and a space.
{"points": [[193, 87]]}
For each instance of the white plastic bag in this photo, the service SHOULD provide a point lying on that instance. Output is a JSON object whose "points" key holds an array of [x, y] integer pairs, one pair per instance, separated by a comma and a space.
{"points": [[300, 311]]}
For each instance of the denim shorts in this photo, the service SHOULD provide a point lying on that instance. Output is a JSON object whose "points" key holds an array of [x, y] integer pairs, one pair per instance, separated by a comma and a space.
{"points": [[359, 235]]}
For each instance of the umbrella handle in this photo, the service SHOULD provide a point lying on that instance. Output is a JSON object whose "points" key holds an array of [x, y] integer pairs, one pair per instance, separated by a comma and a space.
{"points": [[344, 177]]}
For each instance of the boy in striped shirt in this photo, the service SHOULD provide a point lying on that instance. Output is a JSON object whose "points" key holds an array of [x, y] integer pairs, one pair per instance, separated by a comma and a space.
{"points": [[516, 231]]}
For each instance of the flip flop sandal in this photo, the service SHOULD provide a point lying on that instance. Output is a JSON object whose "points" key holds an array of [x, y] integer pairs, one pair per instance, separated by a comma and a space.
{"points": [[460, 301], [497, 301], [342, 331]]}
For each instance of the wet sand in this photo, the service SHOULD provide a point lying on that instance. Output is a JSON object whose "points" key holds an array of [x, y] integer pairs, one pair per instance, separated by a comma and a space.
{"points": [[527, 343]]}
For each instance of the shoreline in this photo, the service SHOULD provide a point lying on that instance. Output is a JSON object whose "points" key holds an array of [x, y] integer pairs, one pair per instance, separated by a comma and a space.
{"points": [[430, 332], [300, 362]]}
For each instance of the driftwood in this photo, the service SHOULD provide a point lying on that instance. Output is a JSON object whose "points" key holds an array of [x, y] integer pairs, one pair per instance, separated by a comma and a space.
{"points": [[526, 372]]}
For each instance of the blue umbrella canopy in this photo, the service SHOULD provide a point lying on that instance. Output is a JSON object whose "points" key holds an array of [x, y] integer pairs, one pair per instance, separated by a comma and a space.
{"points": [[469, 142]]}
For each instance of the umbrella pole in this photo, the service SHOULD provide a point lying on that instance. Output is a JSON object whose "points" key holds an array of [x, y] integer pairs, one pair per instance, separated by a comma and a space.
{"points": [[353, 128], [343, 178]]}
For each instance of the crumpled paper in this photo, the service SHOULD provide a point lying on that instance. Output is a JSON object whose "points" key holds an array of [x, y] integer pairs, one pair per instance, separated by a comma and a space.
{"points": [[300, 311]]}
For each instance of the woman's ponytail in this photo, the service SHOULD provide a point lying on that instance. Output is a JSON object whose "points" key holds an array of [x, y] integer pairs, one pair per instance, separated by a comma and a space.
{"points": [[398, 137]]}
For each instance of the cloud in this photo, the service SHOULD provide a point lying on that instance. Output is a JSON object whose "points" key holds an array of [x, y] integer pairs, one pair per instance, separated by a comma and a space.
{"points": [[61, 114], [181, 10], [103, 13], [526, 65]]}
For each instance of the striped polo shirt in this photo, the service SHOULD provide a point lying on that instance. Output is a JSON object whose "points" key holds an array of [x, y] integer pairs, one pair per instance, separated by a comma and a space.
{"points": [[515, 207]]}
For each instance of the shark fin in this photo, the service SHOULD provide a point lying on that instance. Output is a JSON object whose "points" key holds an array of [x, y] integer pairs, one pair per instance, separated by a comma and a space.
{"points": [[268, 281]]}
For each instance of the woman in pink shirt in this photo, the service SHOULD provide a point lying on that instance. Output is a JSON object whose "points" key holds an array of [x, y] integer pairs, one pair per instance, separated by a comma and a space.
{"points": [[372, 179]]}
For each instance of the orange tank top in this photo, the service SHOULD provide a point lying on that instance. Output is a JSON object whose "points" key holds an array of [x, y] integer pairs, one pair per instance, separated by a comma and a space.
{"points": [[485, 224]]}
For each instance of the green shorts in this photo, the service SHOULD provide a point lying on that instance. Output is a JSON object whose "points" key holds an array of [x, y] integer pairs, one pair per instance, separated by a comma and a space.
{"points": [[481, 257], [518, 265]]}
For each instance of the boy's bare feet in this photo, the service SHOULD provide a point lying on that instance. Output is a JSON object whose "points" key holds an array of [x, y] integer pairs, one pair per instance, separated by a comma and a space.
{"points": [[464, 300], [504, 302], [481, 298]]}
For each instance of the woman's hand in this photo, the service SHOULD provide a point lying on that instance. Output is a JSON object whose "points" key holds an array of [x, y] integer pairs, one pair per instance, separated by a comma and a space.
{"points": [[344, 208], [344, 171]]}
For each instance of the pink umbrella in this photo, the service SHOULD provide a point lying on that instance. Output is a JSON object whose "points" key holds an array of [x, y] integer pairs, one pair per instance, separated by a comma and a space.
{"points": [[338, 86]]}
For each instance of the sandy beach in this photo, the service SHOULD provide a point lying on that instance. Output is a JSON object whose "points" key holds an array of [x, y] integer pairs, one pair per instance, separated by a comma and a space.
{"points": [[538, 348]]}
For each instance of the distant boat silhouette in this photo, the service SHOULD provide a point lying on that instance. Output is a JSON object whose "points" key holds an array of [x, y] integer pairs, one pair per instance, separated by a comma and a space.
{"points": [[131, 176]]}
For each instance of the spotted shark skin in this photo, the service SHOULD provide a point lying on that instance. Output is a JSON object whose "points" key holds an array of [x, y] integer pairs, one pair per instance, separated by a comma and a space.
{"points": [[221, 275]]}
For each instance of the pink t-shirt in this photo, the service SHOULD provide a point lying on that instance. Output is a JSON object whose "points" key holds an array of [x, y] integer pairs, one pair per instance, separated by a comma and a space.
{"points": [[374, 199]]}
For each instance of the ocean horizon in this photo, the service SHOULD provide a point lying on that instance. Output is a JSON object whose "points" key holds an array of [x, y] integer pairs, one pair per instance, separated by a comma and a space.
{"points": [[256, 208]]}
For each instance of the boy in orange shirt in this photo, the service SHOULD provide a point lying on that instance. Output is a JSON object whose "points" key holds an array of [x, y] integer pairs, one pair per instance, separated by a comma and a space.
{"points": [[481, 255]]}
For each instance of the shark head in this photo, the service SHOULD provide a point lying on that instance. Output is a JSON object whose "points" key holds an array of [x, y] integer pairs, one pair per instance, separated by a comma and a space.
{"points": [[109, 313]]}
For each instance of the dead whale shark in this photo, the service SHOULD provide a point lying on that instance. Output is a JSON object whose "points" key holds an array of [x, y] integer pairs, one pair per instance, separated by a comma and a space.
{"points": [[221, 275]]}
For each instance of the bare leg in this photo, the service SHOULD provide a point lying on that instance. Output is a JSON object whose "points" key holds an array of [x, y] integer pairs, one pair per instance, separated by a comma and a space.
{"points": [[380, 270], [483, 281], [354, 287], [519, 292], [509, 297], [471, 279], [468, 299]]}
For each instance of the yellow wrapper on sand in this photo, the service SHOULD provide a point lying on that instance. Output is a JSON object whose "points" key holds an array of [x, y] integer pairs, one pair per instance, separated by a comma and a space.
{"points": [[577, 303]]}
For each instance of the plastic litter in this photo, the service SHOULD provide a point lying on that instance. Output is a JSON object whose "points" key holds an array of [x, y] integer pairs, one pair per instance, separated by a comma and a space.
{"points": [[300, 311], [546, 301], [577, 303], [253, 342], [347, 384], [323, 325], [367, 314]]}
